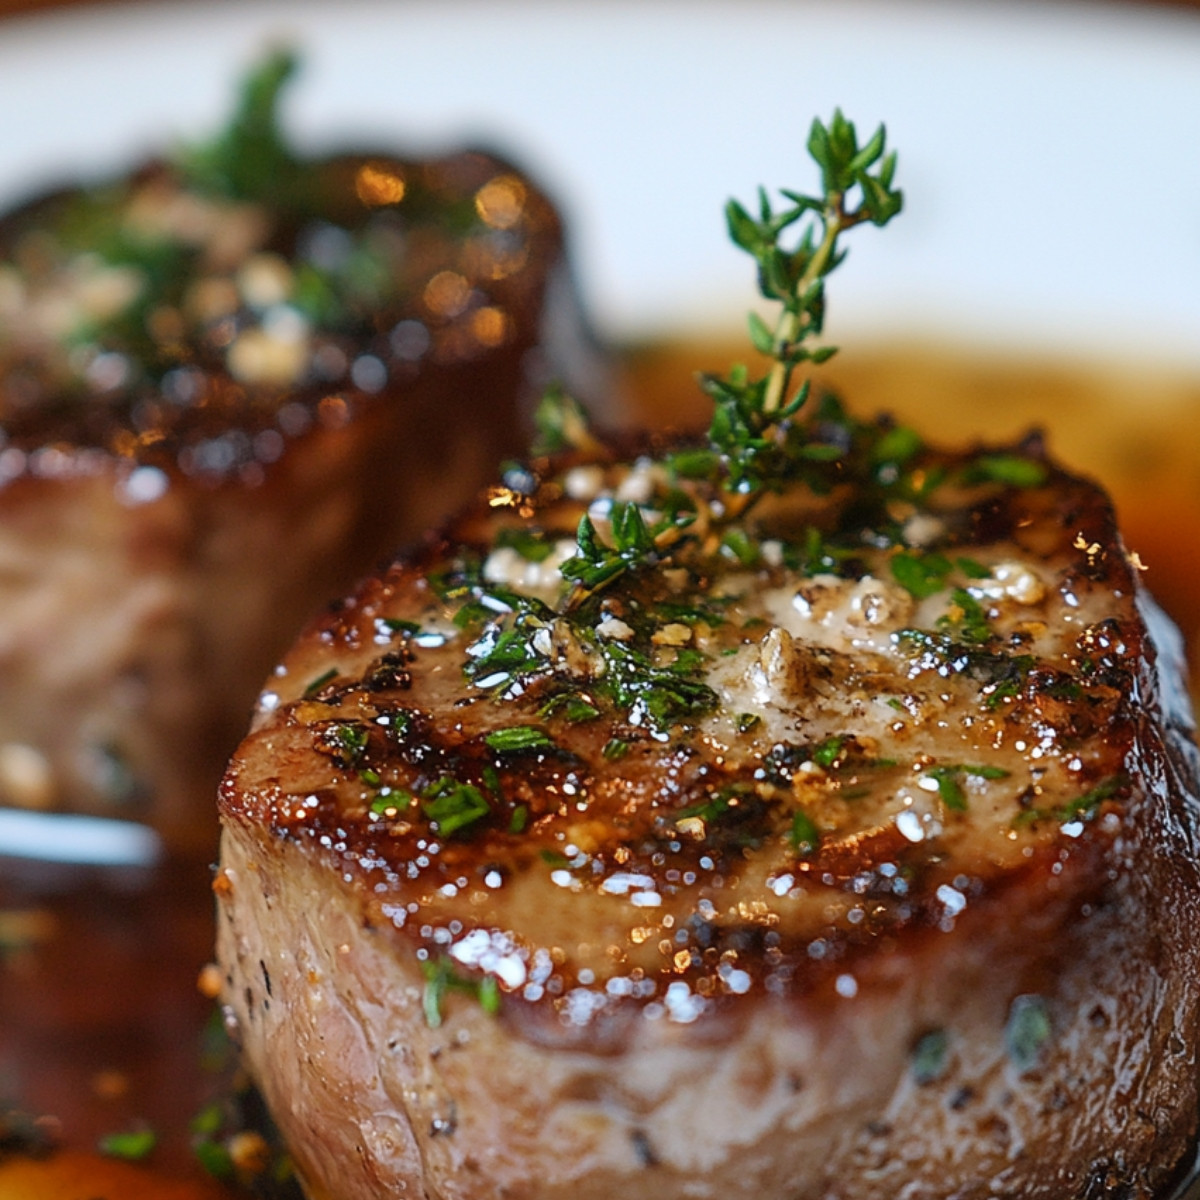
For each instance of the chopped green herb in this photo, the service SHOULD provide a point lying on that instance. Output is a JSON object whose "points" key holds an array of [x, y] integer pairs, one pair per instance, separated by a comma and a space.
{"points": [[921, 575], [321, 680], [1027, 1031], [505, 650], [949, 781], [208, 1120], [132, 1145], [655, 695], [250, 160], [703, 612], [738, 544], [351, 738], [453, 806], [717, 805], [949, 788], [930, 1057], [441, 977], [896, 445], [532, 545], [401, 721], [1082, 808], [389, 799], [1008, 468], [804, 836], [634, 544], [972, 569], [561, 424], [828, 752], [519, 819], [747, 722], [1085, 805], [396, 625], [488, 992], [214, 1158], [571, 706], [519, 739], [614, 749]]}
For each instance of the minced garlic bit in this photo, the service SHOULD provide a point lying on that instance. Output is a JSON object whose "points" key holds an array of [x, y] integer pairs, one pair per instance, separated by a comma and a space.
{"points": [[1012, 581]]}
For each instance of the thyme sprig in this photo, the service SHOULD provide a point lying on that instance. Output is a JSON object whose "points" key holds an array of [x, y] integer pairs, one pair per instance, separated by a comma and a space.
{"points": [[754, 443]]}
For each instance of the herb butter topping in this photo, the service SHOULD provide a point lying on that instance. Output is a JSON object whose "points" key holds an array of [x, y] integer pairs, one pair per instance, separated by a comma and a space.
{"points": [[203, 310]]}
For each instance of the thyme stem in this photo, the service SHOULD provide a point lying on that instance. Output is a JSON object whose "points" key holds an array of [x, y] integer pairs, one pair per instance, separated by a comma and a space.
{"points": [[794, 323]]}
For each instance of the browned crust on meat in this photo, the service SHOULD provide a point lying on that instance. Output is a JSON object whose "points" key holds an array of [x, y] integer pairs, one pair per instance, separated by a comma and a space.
{"points": [[822, 989]]}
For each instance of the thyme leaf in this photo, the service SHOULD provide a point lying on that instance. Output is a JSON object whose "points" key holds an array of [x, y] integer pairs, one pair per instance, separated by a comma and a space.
{"points": [[452, 805], [949, 780], [921, 575], [518, 739], [804, 836], [441, 977], [634, 544]]}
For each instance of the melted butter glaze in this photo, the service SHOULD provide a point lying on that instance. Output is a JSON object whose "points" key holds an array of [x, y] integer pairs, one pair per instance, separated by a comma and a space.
{"points": [[943, 789]]}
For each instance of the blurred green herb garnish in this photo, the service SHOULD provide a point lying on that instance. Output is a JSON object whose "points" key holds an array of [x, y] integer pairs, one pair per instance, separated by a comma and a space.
{"points": [[250, 158]]}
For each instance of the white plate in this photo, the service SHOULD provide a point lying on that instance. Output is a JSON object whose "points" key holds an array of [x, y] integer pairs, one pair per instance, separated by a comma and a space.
{"points": [[1048, 152]]}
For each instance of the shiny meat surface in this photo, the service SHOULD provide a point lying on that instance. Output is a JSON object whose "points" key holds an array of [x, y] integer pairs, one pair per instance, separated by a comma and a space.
{"points": [[206, 432], [844, 851]]}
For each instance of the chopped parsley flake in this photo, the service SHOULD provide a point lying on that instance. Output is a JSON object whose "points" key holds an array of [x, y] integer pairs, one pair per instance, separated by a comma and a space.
{"points": [[966, 618], [571, 706], [896, 445], [391, 800], [1082, 808], [828, 752]]}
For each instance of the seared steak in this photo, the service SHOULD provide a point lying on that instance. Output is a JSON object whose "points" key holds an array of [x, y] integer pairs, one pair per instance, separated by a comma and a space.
{"points": [[847, 850], [220, 404]]}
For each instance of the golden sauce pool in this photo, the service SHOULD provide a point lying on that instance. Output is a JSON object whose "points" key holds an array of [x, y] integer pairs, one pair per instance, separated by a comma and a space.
{"points": [[102, 1025]]}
